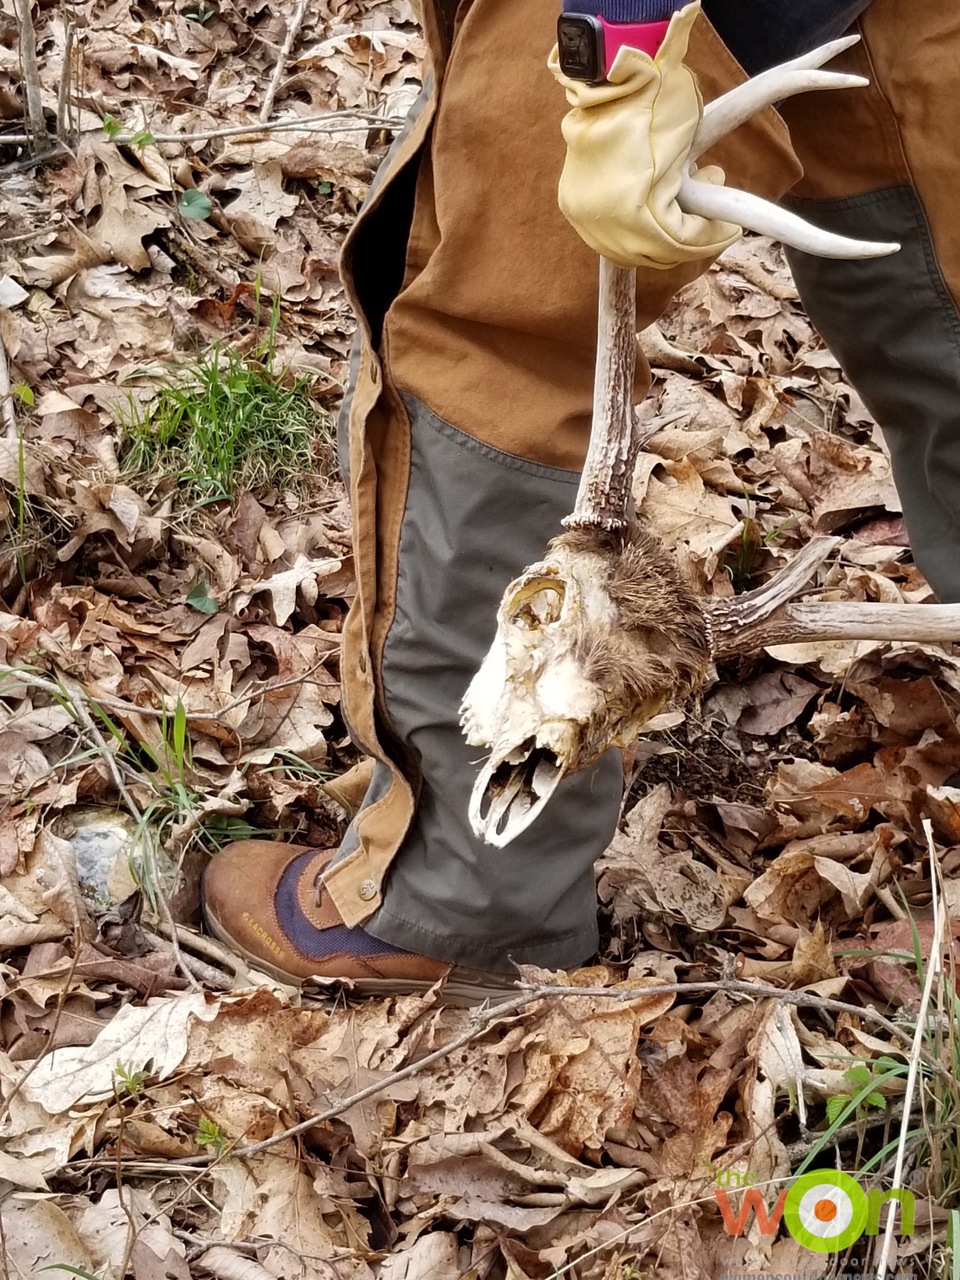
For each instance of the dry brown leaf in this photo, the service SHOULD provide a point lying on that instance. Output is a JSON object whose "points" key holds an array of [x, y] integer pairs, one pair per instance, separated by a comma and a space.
{"points": [[682, 510], [766, 705], [43, 901], [149, 1038], [432, 1257], [638, 877], [106, 1227], [304, 576], [37, 1235]]}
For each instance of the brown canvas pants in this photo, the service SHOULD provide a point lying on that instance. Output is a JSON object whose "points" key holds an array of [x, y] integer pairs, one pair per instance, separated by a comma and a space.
{"points": [[469, 416]]}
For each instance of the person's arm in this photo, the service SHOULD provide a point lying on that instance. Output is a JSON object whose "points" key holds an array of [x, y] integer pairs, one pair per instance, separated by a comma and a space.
{"points": [[762, 33]]}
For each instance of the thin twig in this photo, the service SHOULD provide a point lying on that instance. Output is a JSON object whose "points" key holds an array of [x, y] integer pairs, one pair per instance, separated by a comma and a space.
{"points": [[483, 1017], [933, 968], [328, 123], [292, 31], [132, 1230], [854, 1129], [165, 914], [75, 695], [735, 986], [204, 975], [63, 92], [163, 713], [3, 1248]]}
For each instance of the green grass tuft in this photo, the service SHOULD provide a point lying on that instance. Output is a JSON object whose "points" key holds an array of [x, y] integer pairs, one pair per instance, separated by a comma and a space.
{"points": [[229, 424]]}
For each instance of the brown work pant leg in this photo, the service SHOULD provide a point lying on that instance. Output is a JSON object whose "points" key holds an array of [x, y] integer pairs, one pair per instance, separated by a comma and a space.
{"points": [[473, 452], [890, 170]]}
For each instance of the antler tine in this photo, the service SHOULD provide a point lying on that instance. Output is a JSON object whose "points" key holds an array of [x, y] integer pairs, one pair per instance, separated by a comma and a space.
{"points": [[727, 204], [721, 117], [735, 108]]}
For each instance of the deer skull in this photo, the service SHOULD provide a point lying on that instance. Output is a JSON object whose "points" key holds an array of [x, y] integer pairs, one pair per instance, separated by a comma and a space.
{"points": [[591, 643]]}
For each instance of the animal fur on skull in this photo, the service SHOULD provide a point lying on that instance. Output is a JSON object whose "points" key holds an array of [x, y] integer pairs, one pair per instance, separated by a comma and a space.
{"points": [[591, 643]]}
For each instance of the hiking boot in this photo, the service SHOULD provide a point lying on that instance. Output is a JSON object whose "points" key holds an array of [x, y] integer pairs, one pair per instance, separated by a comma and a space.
{"points": [[267, 902]]}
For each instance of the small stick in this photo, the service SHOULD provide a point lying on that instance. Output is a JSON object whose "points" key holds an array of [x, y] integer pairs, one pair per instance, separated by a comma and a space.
{"points": [[63, 92], [208, 948], [161, 713], [292, 30], [201, 972]]}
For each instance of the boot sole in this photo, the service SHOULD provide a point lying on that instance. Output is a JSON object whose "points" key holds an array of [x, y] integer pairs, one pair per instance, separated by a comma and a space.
{"points": [[462, 989]]}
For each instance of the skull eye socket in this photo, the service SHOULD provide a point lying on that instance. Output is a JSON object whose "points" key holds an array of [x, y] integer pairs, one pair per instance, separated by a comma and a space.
{"points": [[537, 606]]}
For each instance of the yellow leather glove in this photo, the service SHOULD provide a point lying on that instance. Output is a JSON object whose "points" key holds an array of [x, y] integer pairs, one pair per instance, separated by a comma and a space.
{"points": [[628, 145]]}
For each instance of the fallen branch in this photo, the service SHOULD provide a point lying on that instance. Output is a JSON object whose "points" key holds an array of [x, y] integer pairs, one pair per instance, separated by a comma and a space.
{"points": [[63, 90], [159, 713], [204, 975], [202, 945]]}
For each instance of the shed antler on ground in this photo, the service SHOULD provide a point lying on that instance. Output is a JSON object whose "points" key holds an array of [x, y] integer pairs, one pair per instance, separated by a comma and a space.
{"points": [[597, 637]]}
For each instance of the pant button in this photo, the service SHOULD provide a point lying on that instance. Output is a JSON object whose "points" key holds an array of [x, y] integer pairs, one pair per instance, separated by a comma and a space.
{"points": [[367, 890]]}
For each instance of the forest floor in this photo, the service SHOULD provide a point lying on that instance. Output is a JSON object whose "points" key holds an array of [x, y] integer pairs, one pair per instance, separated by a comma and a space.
{"points": [[174, 575]]}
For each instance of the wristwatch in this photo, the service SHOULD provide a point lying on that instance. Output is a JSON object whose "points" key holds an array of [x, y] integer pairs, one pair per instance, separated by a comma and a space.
{"points": [[590, 33]]}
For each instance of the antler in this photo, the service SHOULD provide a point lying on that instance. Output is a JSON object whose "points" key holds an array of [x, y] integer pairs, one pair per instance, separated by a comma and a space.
{"points": [[727, 204], [769, 615]]}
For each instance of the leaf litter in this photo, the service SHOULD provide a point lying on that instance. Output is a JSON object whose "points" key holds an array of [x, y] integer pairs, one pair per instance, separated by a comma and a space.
{"points": [[170, 681]]}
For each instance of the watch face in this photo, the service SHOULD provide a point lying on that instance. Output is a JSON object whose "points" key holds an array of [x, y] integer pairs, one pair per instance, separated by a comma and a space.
{"points": [[580, 41]]}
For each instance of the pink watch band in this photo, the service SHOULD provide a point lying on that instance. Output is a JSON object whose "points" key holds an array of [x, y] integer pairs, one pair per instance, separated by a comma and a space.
{"points": [[645, 36]]}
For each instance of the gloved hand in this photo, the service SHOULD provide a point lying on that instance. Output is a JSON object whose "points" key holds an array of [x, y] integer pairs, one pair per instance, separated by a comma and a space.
{"points": [[630, 184], [628, 143]]}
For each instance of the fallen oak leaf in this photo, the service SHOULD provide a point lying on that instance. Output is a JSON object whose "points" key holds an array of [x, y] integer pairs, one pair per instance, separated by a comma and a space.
{"points": [[282, 587], [106, 1227], [155, 1033], [42, 902]]}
